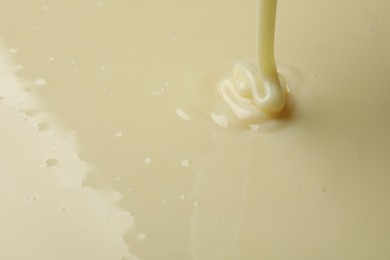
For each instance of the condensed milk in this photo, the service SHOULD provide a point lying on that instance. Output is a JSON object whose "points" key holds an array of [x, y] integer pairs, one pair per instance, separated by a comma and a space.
{"points": [[116, 143]]}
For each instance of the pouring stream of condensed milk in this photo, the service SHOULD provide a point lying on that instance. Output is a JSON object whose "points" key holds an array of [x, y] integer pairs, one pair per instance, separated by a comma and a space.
{"points": [[254, 92]]}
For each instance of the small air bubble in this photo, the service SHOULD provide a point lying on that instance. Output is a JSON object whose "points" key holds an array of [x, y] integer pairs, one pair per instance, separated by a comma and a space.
{"points": [[148, 160], [30, 113], [13, 50], [158, 92], [45, 8], [63, 209], [51, 59], [141, 236], [164, 202], [32, 198], [40, 82], [117, 178], [186, 163], [183, 197], [43, 127], [51, 162], [119, 134], [196, 204]]}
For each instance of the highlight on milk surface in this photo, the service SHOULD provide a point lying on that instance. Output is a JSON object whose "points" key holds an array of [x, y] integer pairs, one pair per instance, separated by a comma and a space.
{"points": [[45, 210]]}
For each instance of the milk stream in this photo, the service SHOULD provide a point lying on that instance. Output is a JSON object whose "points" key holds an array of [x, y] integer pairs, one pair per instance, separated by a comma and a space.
{"points": [[255, 92]]}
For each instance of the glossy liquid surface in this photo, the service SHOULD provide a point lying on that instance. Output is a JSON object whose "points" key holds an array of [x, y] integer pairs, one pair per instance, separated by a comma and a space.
{"points": [[254, 92], [101, 98]]}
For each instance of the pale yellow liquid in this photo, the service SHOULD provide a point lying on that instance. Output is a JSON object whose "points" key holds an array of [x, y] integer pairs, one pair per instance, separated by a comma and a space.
{"points": [[253, 93], [125, 102]]}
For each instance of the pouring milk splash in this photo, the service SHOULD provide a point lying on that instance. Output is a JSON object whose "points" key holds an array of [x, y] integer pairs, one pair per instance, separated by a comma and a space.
{"points": [[255, 93]]}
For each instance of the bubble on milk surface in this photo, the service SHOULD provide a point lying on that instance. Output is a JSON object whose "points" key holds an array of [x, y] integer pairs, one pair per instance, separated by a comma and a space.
{"points": [[119, 134], [43, 126], [51, 162], [141, 236], [186, 163], [148, 160], [40, 82]]}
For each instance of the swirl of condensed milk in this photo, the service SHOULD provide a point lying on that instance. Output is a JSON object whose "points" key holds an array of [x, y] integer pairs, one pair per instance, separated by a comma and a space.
{"points": [[255, 93]]}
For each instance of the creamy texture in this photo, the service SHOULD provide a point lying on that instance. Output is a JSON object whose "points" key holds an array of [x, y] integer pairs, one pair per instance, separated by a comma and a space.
{"points": [[45, 211], [136, 80], [253, 93]]}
